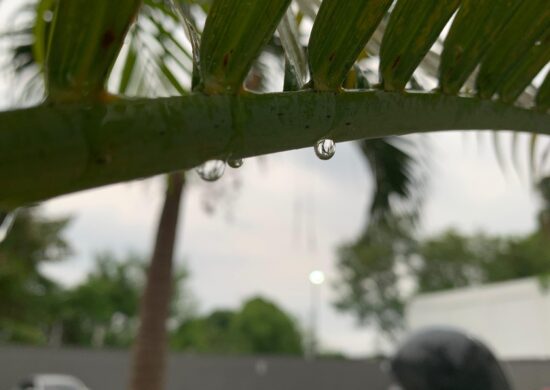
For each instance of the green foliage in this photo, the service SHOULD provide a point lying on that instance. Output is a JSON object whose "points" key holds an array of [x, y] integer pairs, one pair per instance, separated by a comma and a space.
{"points": [[477, 24], [81, 51], [517, 53], [234, 33], [26, 311], [259, 327], [100, 311], [213, 333], [267, 329], [373, 268], [451, 260], [413, 28], [394, 170], [368, 285], [339, 35], [103, 310], [520, 257]]}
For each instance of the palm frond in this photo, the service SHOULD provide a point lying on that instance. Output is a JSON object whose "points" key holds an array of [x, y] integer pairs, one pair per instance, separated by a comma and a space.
{"points": [[493, 89], [394, 176], [295, 53]]}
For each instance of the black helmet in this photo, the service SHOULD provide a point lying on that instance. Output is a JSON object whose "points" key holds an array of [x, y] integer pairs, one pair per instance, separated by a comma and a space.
{"points": [[446, 359]]}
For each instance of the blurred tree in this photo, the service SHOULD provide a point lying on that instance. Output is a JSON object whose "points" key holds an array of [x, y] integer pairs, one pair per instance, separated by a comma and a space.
{"points": [[213, 333], [373, 268], [103, 310], [267, 329], [28, 297], [518, 257], [452, 260], [369, 275], [259, 327]]}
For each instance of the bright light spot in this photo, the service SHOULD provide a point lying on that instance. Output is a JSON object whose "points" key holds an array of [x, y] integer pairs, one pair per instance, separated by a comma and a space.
{"points": [[317, 277]]}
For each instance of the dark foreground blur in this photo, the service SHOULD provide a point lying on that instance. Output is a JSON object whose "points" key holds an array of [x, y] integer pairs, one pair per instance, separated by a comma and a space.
{"points": [[108, 370]]}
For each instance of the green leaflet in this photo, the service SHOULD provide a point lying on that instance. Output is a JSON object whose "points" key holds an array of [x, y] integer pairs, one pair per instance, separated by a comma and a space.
{"points": [[524, 29], [525, 70], [127, 70], [340, 32], [413, 28], [41, 30], [84, 43], [294, 52], [356, 79], [543, 96], [477, 24], [234, 33], [292, 80]]}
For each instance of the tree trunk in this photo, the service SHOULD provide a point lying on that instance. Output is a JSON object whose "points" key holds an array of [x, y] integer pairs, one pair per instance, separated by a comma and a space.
{"points": [[150, 348]]}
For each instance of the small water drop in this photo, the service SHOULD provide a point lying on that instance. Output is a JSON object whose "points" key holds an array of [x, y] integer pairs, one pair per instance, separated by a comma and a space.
{"points": [[235, 162], [211, 170], [47, 16], [325, 149], [6, 222]]}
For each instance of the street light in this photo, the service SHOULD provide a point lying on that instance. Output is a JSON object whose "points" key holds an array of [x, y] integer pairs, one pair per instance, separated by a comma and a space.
{"points": [[316, 278]]}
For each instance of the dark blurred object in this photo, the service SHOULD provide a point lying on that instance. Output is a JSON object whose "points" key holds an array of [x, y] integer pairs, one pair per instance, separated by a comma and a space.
{"points": [[51, 382], [446, 359]]}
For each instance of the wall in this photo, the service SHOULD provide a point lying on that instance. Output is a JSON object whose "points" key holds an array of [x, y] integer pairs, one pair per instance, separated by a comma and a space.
{"points": [[513, 318], [108, 370]]}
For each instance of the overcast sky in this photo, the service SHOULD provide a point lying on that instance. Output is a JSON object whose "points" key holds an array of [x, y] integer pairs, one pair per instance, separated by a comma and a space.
{"points": [[289, 214]]}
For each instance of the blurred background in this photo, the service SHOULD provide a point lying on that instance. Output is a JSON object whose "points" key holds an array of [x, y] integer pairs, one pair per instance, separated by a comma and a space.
{"points": [[285, 266]]}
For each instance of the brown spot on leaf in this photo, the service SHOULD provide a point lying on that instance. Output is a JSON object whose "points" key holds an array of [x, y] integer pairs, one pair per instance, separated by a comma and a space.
{"points": [[396, 62], [107, 39]]}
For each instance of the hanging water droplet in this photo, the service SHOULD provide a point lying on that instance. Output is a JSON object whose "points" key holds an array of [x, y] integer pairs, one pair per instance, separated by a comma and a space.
{"points": [[211, 170], [235, 162], [6, 222], [325, 149]]}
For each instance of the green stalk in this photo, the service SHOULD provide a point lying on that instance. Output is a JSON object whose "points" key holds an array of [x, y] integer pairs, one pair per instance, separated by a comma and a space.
{"points": [[52, 150]]}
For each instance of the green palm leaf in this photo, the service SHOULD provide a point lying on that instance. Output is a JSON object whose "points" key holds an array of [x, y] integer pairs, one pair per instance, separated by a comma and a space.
{"points": [[82, 145]]}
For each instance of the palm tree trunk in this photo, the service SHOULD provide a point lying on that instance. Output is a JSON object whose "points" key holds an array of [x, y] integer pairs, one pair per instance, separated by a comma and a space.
{"points": [[150, 348]]}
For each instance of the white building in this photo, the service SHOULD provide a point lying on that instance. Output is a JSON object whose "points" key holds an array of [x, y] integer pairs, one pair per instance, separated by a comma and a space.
{"points": [[513, 318]]}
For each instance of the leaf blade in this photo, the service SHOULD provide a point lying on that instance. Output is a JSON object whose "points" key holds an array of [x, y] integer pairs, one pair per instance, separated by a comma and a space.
{"points": [[413, 28], [234, 33], [526, 26], [340, 32], [476, 25]]}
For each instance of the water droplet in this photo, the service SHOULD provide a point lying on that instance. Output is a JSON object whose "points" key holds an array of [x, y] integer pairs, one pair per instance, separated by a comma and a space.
{"points": [[235, 162], [6, 222], [47, 16], [211, 170], [325, 149]]}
